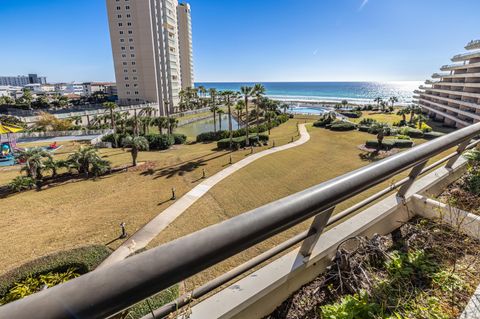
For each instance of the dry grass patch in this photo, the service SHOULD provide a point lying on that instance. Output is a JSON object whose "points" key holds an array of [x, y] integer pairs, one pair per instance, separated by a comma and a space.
{"points": [[90, 211]]}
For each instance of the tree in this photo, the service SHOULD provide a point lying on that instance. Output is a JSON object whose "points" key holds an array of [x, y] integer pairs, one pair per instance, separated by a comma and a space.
{"points": [[213, 97], [421, 119], [48, 122], [87, 161], [136, 144], [228, 95], [247, 91], [378, 100], [172, 124], [161, 122], [414, 109], [214, 109], [403, 112], [258, 91], [344, 103], [220, 112], [34, 163], [111, 106], [393, 100], [239, 108], [285, 107], [380, 137], [27, 97]]}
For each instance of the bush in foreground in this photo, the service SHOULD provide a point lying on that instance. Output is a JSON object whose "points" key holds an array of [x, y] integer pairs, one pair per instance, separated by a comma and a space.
{"points": [[343, 126], [83, 259], [160, 141]]}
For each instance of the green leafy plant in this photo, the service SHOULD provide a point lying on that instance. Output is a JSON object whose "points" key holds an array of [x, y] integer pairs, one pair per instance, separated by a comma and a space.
{"points": [[21, 183], [351, 307]]}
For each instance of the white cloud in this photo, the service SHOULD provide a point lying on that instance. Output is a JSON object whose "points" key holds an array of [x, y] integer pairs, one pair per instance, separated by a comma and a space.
{"points": [[364, 3]]}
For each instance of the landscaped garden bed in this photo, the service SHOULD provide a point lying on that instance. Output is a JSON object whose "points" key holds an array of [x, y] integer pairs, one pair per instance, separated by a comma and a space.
{"points": [[425, 270], [464, 193]]}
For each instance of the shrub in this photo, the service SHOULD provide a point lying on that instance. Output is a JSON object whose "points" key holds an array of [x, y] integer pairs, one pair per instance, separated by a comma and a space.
{"points": [[367, 121], [412, 132], [83, 259], [400, 123], [386, 144], [343, 126], [33, 284], [352, 114], [376, 128], [179, 139], [403, 143], [363, 128], [432, 135], [239, 142], [402, 137], [160, 141], [425, 128], [211, 136], [472, 183], [21, 183], [115, 139]]}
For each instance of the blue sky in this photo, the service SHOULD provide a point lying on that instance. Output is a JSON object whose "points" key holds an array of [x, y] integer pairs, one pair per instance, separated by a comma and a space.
{"points": [[252, 40]]}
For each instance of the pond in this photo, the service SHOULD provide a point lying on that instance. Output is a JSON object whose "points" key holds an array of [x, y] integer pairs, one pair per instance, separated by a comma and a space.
{"points": [[314, 110], [193, 129]]}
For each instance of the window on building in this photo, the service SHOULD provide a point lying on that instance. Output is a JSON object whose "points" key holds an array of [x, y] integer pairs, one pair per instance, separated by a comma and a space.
{"points": [[130, 32], [119, 8], [120, 24], [127, 7], [133, 63], [121, 32], [129, 24], [122, 40], [132, 48]]}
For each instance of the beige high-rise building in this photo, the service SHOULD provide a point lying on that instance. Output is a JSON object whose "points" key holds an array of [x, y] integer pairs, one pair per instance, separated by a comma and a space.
{"points": [[454, 97], [185, 44], [146, 53]]}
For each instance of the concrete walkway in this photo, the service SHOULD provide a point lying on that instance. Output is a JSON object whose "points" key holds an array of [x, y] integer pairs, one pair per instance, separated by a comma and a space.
{"points": [[151, 230]]}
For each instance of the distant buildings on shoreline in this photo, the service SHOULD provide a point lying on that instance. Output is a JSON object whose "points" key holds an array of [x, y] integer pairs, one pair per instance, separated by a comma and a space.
{"points": [[454, 97], [22, 80], [152, 51]]}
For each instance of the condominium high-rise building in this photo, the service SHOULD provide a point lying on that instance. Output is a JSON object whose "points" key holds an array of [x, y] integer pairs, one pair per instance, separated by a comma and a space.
{"points": [[185, 44], [454, 97], [22, 80], [145, 45]]}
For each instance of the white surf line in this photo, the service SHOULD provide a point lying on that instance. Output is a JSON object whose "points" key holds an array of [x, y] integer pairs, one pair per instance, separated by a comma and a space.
{"points": [[151, 230]]}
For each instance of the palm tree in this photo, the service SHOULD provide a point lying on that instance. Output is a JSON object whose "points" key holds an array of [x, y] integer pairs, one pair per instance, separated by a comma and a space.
{"points": [[393, 100], [285, 107], [239, 108], [136, 144], [421, 119], [220, 112], [34, 163], [344, 103], [161, 122], [202, 90], [87, 160], [380, 137], [378, 100], [51, 165], [413, 110], [247, 91], [213, 96], [172, 124], [111, 106], [228, 95], [214, 109], [258, 91], [403, 112]]}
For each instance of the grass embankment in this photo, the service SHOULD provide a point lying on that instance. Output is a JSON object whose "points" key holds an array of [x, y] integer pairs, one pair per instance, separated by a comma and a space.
{"points": [[89, 212], [327, 155]]}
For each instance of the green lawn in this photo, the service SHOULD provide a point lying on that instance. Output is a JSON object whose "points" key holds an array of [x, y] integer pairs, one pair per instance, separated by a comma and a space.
{"points": [[327, 155]]}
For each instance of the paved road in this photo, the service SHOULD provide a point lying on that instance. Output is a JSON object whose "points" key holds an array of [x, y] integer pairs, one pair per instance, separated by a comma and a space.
{"points": [[151, 230]]}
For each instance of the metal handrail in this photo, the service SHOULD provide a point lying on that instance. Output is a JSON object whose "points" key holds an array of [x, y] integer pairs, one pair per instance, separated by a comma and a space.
{"points": [[107, 291], [252, 263]]}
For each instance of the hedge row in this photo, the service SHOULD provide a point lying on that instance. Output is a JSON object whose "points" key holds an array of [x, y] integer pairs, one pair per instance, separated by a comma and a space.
{"points": [[239, 142], [220, 135], [155, 141], [84, 259], [389, 144]]}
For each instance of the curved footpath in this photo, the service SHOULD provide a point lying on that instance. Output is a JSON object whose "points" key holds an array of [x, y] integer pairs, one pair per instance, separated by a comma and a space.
{"points": [[151, 230]]}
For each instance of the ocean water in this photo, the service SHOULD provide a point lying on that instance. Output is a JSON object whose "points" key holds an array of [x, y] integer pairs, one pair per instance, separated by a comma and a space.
{"points": [[354, 92]]}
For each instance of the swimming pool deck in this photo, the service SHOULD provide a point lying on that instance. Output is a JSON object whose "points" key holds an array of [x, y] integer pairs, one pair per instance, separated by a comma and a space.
{"points": [[145, 235]]}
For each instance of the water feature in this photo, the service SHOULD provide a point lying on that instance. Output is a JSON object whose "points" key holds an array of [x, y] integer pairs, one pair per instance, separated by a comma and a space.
{"points": [[193, 129]]}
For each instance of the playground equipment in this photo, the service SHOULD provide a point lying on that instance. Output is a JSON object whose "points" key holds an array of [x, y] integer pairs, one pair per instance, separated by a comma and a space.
{"points": [[8, 143]]}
